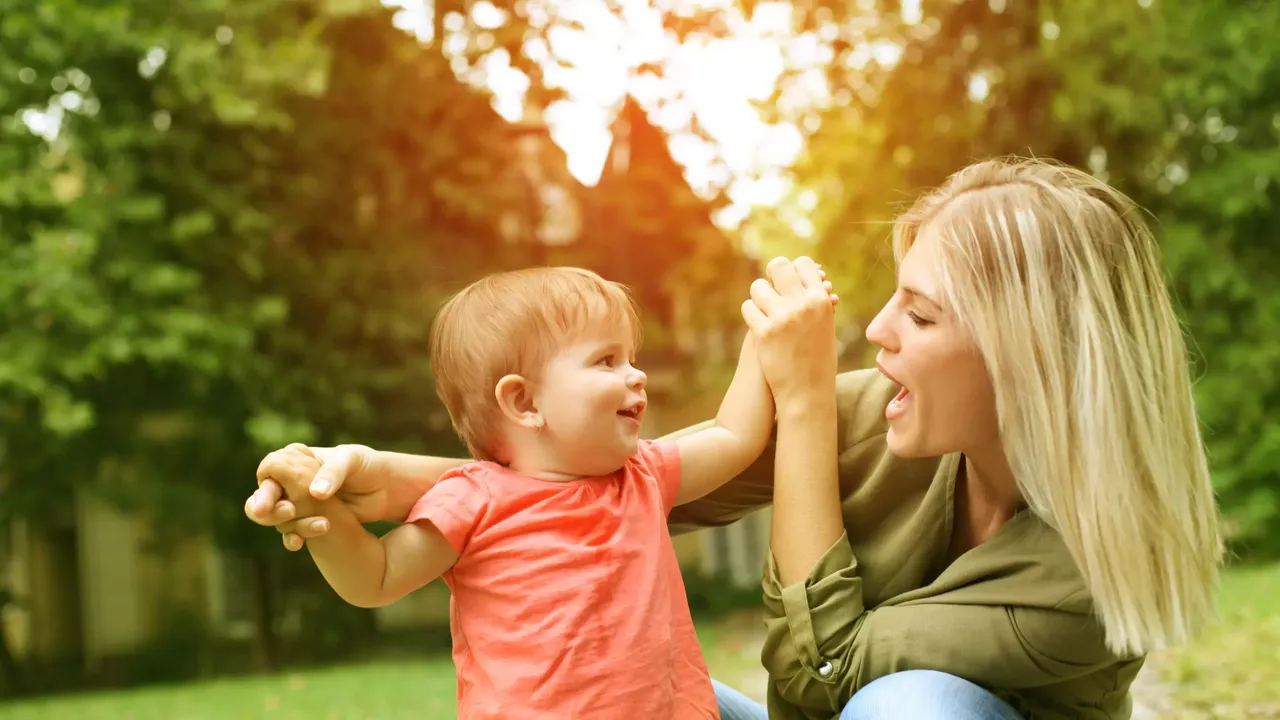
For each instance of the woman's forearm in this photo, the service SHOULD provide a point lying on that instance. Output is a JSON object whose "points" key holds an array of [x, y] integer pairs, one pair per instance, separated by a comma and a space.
{"points": [[807, 518], [407, 478]]}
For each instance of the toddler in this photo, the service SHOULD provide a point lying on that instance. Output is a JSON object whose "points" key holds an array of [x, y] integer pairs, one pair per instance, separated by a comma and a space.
{"points": [[566, 598]]}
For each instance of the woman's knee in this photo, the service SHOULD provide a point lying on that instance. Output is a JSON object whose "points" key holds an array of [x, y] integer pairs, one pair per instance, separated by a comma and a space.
{"points": [[926, 695]]}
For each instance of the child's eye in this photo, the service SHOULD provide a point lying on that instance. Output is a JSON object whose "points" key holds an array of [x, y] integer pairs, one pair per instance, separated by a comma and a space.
{"points": [[606, 360]]}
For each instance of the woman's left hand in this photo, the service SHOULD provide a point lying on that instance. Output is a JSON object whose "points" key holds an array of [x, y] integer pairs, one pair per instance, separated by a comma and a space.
{"points": [[792, 317]]}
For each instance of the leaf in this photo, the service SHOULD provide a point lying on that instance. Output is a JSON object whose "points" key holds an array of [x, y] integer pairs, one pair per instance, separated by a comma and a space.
{"points": [[141, 207]]}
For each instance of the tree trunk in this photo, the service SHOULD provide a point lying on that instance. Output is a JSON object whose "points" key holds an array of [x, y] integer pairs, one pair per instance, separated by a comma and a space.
{"points": [[10, 682], [266, 645], [438, 10], [10, 679]]}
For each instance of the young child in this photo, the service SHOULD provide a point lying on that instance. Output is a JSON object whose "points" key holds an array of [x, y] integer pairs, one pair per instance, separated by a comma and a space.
{"points": [[567, 601]]}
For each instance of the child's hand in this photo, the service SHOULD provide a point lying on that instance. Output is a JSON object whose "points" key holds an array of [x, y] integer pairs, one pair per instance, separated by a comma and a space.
{"points": [[826, 285], [306, 505], [792, 318], [297, 485]]}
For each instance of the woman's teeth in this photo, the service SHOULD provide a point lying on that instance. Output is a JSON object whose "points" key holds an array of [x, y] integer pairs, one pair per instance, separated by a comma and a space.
{"points": [[898, 405]]}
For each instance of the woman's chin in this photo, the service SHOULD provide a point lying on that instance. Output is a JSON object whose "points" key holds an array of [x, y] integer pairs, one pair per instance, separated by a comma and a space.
{"points": [[901, 444]]}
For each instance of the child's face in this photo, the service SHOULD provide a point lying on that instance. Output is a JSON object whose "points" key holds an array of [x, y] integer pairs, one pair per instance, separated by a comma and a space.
{"points": [[592, 402]]}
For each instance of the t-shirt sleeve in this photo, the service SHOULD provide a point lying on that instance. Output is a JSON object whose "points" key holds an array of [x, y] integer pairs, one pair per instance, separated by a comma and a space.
{"points": [[456, 505], [660, 459]]}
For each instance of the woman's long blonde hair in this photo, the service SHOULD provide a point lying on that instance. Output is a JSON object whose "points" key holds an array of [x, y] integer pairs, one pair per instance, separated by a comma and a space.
{"points": [[1059, 280]]}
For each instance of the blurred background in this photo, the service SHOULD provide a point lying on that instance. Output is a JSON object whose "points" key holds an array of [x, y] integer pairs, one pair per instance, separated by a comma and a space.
{"points": [[225, 226]]}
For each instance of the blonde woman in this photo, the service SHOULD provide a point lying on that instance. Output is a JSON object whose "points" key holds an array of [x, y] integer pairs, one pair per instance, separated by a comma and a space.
{"points": [[1002, 520]]}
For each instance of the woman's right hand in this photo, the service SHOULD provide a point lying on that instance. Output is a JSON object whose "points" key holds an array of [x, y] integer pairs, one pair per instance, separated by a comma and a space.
{"points": [[327, 472]]}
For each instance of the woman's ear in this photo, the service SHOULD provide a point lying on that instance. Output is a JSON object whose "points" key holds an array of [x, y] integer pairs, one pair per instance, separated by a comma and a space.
{"points": [[515, 398]]}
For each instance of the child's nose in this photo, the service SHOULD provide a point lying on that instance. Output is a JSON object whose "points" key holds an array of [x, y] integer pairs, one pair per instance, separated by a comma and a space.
{"points": [[637, 379]]}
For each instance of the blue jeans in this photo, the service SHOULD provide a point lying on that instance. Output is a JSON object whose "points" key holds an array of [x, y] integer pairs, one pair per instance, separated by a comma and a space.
{"points": [[914, 694]]}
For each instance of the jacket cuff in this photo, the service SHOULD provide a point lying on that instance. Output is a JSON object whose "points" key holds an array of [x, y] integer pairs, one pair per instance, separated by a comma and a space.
{"points": [[811, 622]]}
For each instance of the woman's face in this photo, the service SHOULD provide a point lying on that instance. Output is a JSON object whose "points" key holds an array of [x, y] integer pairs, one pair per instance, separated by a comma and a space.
{"points": [[947, 403]]}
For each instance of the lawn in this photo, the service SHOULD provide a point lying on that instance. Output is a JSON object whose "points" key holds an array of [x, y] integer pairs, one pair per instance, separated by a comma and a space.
{"points": [[369, 691], [391, 690], [1233, 671]]}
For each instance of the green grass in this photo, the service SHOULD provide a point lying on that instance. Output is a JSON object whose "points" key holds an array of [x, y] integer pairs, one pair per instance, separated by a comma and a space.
{"points": [[391, 690], [1232, 671]]}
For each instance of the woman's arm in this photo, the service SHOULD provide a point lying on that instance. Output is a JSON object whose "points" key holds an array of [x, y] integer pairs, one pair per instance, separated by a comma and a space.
{"points": [[822, 646], [823, 641], [405, 477], [807, 517], [374, 485], [793, 322], [381, 485]]}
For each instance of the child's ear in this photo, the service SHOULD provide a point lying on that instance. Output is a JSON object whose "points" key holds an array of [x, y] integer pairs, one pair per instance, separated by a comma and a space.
{"points": [[515, 397]]}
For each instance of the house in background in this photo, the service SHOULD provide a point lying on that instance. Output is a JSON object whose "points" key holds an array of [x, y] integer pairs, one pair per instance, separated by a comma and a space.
{"points": [[91, 586]]}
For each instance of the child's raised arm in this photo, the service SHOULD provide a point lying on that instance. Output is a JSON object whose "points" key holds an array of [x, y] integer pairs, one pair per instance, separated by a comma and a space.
{"points": [[713, 456]]}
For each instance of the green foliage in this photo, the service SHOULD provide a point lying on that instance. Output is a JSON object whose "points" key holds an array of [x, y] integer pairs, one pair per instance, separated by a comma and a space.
{"points": [[226, 226], [1175, 103], [715, 596]]}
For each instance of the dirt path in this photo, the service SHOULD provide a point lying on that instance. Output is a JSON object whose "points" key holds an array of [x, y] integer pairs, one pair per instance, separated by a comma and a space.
{"points": [[1151, 695]]}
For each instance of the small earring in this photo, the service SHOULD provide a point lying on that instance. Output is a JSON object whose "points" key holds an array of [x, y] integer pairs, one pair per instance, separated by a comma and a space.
{"points": [[537, 424]]}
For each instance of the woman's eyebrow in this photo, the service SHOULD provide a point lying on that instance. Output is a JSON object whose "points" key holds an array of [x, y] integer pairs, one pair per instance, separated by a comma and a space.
{"points": [[917, 293]]}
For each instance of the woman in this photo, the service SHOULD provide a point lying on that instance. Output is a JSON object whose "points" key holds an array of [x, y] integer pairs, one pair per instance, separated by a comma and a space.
{"points": [[1000, 523]]}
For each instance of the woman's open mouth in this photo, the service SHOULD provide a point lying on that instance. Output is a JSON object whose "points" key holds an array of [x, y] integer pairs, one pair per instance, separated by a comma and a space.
{"points": [[897, 407]]}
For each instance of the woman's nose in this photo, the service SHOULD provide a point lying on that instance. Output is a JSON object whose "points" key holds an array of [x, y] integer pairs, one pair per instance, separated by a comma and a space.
{"points": [[879, 332]]}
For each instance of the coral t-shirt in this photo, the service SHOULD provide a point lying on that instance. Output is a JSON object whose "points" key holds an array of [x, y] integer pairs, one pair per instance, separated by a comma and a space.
{"points": [[567, 600]]}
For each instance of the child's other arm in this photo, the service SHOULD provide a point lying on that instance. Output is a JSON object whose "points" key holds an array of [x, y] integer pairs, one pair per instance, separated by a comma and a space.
{"points": [[713, 456], [365, 570], [368, 571]]}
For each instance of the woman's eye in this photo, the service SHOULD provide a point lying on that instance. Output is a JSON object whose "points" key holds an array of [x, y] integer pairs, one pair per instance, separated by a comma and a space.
{"points": [[919, 321]]}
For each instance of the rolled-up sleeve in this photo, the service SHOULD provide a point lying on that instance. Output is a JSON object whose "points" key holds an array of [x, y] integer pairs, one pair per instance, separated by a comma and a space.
{"points": [[810, 626], [822, 645]]}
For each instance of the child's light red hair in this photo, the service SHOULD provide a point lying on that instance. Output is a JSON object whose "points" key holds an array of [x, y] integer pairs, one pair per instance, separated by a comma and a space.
{"points": [[510, 323]]}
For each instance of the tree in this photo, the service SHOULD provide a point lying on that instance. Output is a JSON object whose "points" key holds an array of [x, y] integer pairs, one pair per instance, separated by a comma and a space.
{"points": [[1174, 103], [646, 228], [225, 232], [225, 227]]}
